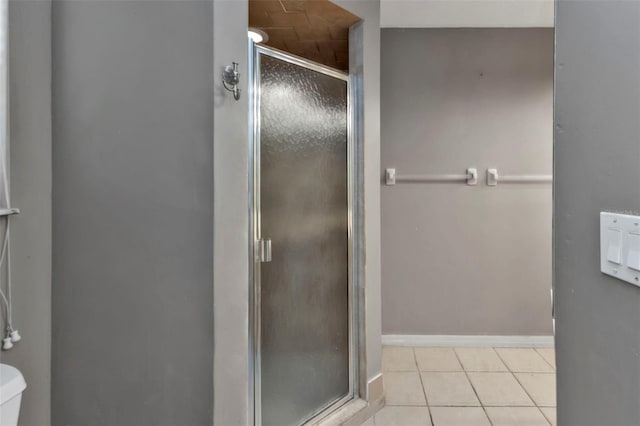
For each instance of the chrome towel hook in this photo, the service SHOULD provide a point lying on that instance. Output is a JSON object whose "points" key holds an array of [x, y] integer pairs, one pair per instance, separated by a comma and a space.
{"points": [[231, 78]]}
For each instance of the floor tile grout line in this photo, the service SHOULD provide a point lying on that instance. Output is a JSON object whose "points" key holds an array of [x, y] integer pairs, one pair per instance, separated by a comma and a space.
{"points": [[510, 371], [545, 416], [482, 371], [526, 391], [545, 359], [466, 374], [424, 391], [535, 404], [437, 371], [553, 370], [398, 369], [526, 372], [500, 358], [472, 406], [503, 361], [479, 371], [484, 407], [477, 406]]}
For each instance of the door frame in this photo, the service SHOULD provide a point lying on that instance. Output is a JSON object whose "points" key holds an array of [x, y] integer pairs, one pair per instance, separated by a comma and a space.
{"points": [[355, 239]]}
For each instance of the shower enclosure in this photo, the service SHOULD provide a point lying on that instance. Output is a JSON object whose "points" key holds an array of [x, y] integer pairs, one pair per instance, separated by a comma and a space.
{"points": [[303, 332]]}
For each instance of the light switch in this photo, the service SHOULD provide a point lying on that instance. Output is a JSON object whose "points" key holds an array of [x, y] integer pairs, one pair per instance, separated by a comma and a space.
{"points": [[633, 255], [614, 245], [620, 246]]}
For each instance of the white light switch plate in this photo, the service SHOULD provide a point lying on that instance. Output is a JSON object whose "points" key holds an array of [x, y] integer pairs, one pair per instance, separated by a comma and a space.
{"points": [[620, 246]]}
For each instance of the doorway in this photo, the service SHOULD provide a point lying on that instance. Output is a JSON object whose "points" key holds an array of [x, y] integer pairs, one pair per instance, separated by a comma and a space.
{"points": [[302, 192], [466, 225]]}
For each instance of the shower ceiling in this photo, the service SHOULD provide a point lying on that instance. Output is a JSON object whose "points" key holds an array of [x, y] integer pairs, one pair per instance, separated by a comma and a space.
{"points": [[314, 29]]}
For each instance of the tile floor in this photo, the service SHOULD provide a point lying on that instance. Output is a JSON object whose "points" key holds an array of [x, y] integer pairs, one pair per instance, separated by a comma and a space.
{"points": [[467, 387]]}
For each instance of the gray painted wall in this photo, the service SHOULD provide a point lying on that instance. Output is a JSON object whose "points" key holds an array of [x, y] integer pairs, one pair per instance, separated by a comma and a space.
{"points": [[132, 213], [369, 11], [231, 219], [459, 259], [30, 128], [597, 168]]}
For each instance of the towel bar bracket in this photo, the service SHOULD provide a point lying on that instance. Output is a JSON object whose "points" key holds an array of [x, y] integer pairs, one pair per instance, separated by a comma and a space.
{"points": [[493, 177], [470, 177]]}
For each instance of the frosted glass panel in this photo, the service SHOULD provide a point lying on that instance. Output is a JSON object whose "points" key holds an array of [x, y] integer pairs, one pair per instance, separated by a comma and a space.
{"points": [[304, 211]]}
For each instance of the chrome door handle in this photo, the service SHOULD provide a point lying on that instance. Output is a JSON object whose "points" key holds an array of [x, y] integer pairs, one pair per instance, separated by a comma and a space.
{"points": [[264, 250]]}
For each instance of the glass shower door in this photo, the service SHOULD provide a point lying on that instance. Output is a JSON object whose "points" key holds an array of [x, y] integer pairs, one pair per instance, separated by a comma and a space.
{"points": [[303, 291]]}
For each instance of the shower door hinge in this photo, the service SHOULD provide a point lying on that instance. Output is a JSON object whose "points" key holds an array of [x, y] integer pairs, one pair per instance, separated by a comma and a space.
{"points": [[264, 250]]}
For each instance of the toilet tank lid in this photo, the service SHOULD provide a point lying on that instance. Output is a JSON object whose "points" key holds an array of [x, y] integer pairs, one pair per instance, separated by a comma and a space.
{"points": [[11, 382]]}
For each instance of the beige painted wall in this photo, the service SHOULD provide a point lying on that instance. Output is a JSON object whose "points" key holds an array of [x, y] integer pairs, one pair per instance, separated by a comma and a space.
{"points": [[460, 259], [466, 13]]}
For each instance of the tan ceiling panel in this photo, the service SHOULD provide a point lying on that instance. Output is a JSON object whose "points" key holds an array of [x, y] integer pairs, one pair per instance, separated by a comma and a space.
{"points": [[267, 5], [260, 18], [313, 33], [280, 34], [288, 19], [314, 29], [294, 5], [339, 33]]}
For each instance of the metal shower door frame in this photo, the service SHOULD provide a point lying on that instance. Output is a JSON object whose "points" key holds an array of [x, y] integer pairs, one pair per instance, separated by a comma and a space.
{"points": [[255, 51]]}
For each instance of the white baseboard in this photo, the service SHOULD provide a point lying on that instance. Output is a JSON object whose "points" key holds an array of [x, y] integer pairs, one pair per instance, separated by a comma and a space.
{"points": [[477, 341]]}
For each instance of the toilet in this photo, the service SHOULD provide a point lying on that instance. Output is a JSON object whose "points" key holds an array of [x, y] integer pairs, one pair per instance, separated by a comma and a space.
{"points": [[12, 385]]}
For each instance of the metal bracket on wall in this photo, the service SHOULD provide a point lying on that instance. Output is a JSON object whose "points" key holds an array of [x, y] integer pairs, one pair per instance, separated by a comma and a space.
{"points": [[231, 78], [470, 177], [493, 177], [9, 212], [264, 250]]}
